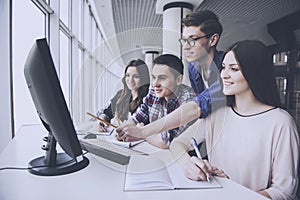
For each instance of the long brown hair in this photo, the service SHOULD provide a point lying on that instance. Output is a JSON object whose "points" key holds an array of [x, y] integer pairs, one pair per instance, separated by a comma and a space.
{"points": [[256, 63], [125, 103]]}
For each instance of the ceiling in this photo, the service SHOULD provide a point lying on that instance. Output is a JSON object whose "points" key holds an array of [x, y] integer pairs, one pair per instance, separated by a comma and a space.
{"points": [[135, 24]]}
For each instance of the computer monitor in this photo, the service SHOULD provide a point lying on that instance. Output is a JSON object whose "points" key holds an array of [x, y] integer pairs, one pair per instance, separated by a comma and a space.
{"points": [[46, 93]]}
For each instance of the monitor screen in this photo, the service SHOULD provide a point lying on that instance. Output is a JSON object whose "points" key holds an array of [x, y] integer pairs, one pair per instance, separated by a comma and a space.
{"points": [[47, 96]]}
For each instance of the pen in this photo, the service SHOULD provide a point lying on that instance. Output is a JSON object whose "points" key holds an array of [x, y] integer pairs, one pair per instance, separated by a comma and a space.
{"points": [[112, 130], [105, 122], [194, 143]]}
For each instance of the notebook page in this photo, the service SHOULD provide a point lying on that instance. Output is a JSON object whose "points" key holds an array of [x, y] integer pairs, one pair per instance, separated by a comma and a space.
{"points": [[180, 181], [111, 138], [146, 173]]}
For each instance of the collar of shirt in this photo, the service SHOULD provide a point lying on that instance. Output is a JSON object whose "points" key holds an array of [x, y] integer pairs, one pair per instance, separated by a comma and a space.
{"points": [[171, 105]]}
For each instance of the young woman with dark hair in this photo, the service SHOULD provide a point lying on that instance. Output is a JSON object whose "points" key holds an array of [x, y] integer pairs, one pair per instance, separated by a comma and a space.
{"points": [[251, 140], [258, 71], [136, 81]]}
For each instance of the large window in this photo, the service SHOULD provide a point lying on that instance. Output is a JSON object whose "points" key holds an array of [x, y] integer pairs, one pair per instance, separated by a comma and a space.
{"points": [[28, 25], [64, 69], [81, 56], [65, 11]]}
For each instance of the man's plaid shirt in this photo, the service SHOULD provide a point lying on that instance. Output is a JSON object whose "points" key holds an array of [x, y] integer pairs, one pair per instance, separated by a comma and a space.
{"points": [[152, 109]]}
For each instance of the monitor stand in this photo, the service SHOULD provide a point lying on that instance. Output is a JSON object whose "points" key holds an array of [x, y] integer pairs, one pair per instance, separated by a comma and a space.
{"points": [[54, 163]]}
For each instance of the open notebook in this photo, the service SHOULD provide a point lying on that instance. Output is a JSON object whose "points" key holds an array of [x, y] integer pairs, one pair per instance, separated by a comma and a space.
{"points": [[150, 173]]}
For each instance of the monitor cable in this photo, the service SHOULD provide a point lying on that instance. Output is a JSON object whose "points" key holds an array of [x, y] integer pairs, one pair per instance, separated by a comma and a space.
{"points": [[28, 168]]}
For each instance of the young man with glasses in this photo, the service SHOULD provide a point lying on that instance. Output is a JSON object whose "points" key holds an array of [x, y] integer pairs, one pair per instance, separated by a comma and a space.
{"points": [[201, 33]]}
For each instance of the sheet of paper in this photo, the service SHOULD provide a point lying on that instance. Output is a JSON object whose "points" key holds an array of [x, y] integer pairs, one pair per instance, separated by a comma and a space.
{"points": [[112, 138], [180, 181], [91, 127], [151, 173], [146, 173], [125, 144]]}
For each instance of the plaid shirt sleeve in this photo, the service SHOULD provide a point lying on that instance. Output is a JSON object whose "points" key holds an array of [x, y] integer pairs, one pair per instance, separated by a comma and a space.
{"points": [[187, 94], [141, 115]]}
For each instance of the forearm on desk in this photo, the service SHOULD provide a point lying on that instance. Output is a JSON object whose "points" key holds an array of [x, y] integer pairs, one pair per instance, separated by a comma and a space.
{"points": [[182, 115]]}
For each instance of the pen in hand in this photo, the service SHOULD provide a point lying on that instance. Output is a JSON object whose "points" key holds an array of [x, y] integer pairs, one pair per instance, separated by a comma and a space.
{"points": [[112, 130], [194, 143]]}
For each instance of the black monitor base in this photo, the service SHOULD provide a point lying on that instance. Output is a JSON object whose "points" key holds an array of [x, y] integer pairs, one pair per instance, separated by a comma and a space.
{"points": [[64, 165]]}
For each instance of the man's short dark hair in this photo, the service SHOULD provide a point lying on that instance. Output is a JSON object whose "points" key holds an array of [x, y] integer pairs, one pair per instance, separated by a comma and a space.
{"points": [[171, 61], [206, 19]]}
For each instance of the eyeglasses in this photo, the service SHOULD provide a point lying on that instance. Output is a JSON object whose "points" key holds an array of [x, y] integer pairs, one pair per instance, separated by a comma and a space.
{"points": [[191, 41]]}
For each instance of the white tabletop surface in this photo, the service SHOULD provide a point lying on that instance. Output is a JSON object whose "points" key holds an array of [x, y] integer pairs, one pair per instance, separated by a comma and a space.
{"points": [[100, 179]]}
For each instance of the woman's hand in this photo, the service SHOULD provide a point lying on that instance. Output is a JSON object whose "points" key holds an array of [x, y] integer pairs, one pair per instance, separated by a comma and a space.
{"points": [[219, 173], [102, 127], [201, 170]]}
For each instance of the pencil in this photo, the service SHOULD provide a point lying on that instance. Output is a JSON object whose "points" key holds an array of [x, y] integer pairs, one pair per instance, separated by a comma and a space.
{"points": [[102, 120], [117, 118]]}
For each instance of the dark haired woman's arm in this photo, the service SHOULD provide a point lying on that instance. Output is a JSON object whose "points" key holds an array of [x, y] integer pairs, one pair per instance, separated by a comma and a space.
{"points": [[109, 112]]}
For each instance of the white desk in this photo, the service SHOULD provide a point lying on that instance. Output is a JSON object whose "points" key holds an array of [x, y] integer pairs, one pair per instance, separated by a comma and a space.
{"points": [[101, 179]]}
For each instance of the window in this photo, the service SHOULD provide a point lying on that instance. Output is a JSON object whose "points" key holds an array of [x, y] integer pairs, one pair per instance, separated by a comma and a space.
{"points": [[65, 11], [22, 41], [73, 34], [64, 69]]}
